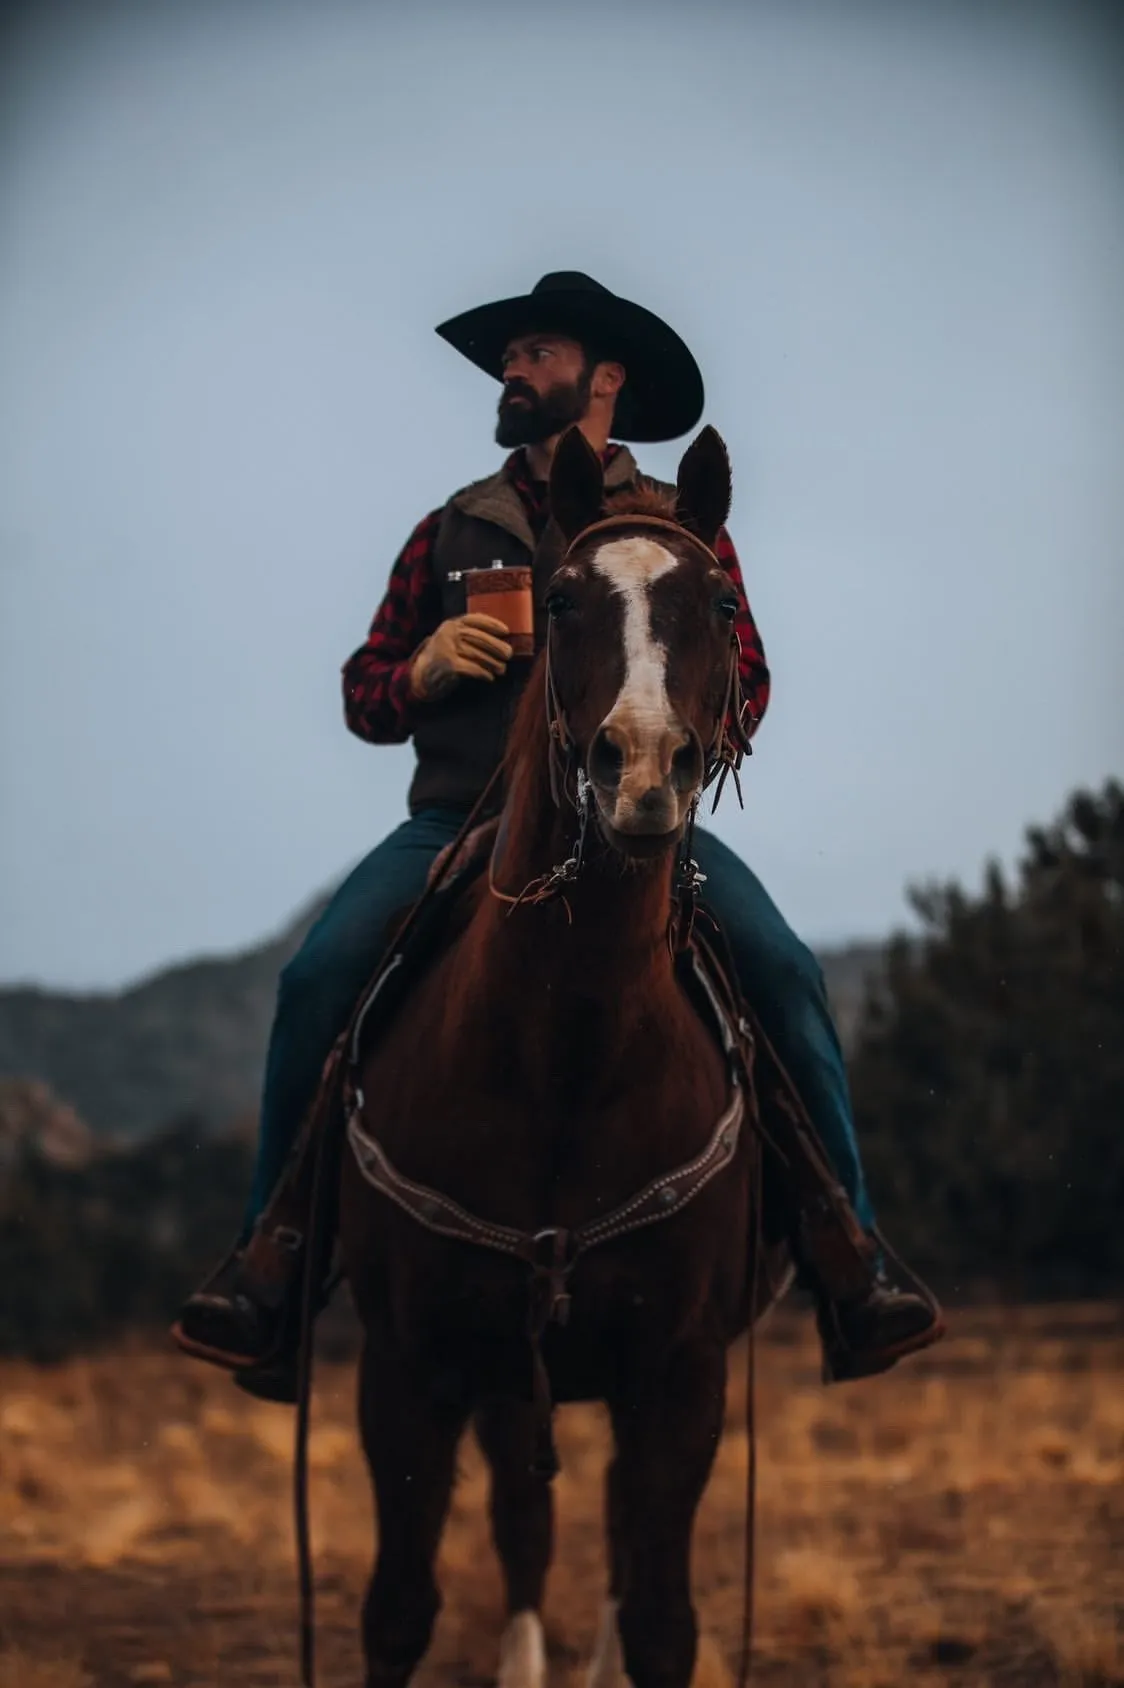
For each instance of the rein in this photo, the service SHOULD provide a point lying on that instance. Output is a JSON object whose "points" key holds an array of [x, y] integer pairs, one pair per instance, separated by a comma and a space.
{"points": [[552, 1253], [318, 1128], [730, 745]]}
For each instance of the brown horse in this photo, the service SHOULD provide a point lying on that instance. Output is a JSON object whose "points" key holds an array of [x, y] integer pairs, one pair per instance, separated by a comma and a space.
{"points": [[552, 1075]]}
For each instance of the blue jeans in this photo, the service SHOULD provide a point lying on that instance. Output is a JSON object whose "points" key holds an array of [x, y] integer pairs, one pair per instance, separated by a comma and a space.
{"points": [[319, 987], [784, 982]]}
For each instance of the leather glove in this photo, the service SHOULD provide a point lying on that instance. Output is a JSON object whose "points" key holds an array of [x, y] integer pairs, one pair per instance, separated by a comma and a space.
{"points": [[466, 646]]}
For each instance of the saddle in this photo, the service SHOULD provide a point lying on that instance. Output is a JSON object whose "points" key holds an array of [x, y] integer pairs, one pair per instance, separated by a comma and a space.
{"points": [[805, 1219], [803, 1204]]}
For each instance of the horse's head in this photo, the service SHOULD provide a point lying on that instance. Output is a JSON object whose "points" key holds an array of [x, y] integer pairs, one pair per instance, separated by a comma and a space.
{"points": [[641, 653]]}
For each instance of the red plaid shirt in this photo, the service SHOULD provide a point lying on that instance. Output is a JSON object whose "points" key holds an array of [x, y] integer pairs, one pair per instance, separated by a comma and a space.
{"points": [[376, 677]]}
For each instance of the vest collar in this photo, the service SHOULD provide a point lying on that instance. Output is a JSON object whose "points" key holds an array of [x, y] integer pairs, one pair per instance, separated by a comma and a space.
{"points": [[495, 500]]}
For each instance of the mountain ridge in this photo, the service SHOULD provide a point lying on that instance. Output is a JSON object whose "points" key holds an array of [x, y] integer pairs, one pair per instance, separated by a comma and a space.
{"points": [[188, 1041]]}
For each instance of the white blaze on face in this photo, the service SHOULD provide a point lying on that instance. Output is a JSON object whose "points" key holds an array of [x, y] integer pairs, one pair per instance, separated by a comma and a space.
{"points": [[642, 719]]}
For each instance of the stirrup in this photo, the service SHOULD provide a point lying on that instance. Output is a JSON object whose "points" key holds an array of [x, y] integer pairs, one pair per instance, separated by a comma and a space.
{"points": [[842, 1364]]}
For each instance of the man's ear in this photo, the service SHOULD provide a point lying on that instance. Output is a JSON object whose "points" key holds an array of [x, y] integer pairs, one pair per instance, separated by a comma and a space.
{"points": [[608, 379], [704, 487], [577, 484]]}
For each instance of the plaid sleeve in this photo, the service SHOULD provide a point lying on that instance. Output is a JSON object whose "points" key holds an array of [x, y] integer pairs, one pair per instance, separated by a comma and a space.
{"points": [[754, 668], [376, 677]]}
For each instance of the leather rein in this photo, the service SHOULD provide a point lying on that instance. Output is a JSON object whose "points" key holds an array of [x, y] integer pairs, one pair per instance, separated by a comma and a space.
{"points": [[722, 758], [552, 1252]]}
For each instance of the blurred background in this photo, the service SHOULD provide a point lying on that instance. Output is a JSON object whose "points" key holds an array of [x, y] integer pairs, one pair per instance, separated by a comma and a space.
{"points": [[894, 237]]}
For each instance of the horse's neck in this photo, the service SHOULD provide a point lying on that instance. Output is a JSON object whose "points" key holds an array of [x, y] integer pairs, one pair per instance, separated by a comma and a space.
{"points": [[607, 940]]}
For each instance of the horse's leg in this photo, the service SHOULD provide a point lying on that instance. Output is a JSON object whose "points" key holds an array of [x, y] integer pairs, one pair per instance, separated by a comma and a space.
{"points": [[523, 1531], [411, 1445], [667, 1432], [606, 1668]]}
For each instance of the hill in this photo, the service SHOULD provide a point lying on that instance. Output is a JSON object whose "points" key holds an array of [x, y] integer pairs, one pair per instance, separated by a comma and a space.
{"points": [[190, 1040]]}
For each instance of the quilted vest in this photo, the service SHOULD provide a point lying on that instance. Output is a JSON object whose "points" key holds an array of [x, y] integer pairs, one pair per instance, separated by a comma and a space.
{"points": [[459, 739]]}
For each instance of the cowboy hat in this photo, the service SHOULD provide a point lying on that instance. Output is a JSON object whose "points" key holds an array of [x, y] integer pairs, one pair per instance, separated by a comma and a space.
{"points": [[662, 397]]}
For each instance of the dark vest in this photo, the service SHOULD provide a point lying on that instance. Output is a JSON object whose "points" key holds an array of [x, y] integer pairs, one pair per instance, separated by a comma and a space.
{"points": [[459, 740]]}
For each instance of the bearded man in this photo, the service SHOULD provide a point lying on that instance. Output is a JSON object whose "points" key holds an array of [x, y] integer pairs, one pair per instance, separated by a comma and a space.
{"points": [[568, 353]]}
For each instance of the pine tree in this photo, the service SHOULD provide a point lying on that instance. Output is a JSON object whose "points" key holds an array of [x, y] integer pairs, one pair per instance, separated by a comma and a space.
{"points": [[989, 1069]]}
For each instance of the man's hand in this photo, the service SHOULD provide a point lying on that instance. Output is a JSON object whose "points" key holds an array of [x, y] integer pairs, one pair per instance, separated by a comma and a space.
{"points": [[466, 646]]}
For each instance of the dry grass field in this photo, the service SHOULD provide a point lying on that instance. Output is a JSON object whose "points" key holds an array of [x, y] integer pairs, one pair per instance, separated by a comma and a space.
{"points": [[960, 1521]]}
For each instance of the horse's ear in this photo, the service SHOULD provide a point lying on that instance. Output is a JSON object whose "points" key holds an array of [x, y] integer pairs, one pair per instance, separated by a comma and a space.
{"points": [[577, 484], [704, 488]]}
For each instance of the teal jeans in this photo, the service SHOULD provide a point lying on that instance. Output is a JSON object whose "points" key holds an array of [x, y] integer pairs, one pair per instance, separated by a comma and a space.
{"points": [[319, 987]]}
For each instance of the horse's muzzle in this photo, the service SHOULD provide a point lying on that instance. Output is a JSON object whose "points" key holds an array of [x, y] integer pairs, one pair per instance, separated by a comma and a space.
{"points": [[644, 790]]}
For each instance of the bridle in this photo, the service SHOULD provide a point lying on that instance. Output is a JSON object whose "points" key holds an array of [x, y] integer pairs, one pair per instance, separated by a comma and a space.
{"points": [[550, 1254], [569, 778]]}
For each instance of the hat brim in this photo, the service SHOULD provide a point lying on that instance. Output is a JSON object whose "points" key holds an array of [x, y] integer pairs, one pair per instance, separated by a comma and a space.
{"points": [[663, 395]]}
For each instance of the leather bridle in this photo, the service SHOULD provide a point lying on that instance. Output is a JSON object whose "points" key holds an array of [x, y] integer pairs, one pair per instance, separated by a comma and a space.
{"points": [[722, 758], [550, 1254]]}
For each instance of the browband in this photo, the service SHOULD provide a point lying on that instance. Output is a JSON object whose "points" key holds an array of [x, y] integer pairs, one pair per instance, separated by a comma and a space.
{"points": [[626, 520]]}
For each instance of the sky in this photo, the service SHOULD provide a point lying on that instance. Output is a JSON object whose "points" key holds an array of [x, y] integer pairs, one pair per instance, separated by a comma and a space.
{"points": [[893, 235]]}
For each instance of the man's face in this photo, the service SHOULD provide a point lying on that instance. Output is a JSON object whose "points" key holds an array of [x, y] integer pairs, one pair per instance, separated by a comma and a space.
{"points": [[546, 387]]}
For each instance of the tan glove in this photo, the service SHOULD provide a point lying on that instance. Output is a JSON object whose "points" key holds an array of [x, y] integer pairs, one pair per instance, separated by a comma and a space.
{"points": [[466, 646]]}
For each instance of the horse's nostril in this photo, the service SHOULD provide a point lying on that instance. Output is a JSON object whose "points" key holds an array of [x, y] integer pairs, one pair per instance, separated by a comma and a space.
{"points": [[606, 759], [686, 763]]}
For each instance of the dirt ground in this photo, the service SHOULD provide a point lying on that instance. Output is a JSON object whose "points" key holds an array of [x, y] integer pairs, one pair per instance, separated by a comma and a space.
{"points": [[960, 1521]]}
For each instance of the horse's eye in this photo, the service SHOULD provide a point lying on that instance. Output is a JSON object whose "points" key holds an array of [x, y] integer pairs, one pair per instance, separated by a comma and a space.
{"points": [[727, 607], [558, 604]]}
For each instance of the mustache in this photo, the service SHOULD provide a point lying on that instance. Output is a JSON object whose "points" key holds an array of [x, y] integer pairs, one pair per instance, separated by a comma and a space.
{"points": [[518, 390]]}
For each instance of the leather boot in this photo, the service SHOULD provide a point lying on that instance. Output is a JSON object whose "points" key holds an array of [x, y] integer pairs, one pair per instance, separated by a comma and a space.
{"points": [[867, 1321], [246, 1315], [867, 1333]]}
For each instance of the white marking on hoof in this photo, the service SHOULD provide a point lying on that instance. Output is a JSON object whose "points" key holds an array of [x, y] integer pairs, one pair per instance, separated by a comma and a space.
{"points": [[606, 1669], [522, 1653]]}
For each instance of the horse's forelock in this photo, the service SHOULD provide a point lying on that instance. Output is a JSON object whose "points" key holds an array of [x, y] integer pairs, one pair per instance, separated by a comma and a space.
{"points": [[641, 501]]}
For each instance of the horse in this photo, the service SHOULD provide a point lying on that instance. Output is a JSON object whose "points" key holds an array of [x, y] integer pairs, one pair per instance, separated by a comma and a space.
{"points": [[551, 1073]]}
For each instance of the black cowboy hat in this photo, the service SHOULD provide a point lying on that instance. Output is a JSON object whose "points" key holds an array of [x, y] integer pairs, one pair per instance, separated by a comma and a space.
{"points": [[663, 394]]}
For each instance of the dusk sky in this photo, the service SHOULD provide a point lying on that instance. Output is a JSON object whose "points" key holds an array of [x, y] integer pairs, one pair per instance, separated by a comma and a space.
{"points": [[893, 234]]}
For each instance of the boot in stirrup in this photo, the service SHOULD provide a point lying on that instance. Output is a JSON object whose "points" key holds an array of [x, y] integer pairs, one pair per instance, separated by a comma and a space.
{"points": [[246, 1316], [870, 1331]]}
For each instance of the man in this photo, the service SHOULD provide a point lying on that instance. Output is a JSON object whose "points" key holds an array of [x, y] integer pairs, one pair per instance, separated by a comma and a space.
{"points": [[570, 352]]}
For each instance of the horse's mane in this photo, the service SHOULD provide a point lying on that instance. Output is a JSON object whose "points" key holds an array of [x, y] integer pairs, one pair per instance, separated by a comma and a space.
{"points": [[526, 770]]}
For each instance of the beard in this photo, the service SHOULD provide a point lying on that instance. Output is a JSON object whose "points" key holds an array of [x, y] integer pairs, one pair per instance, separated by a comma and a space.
{"points": [[542, 415]]}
